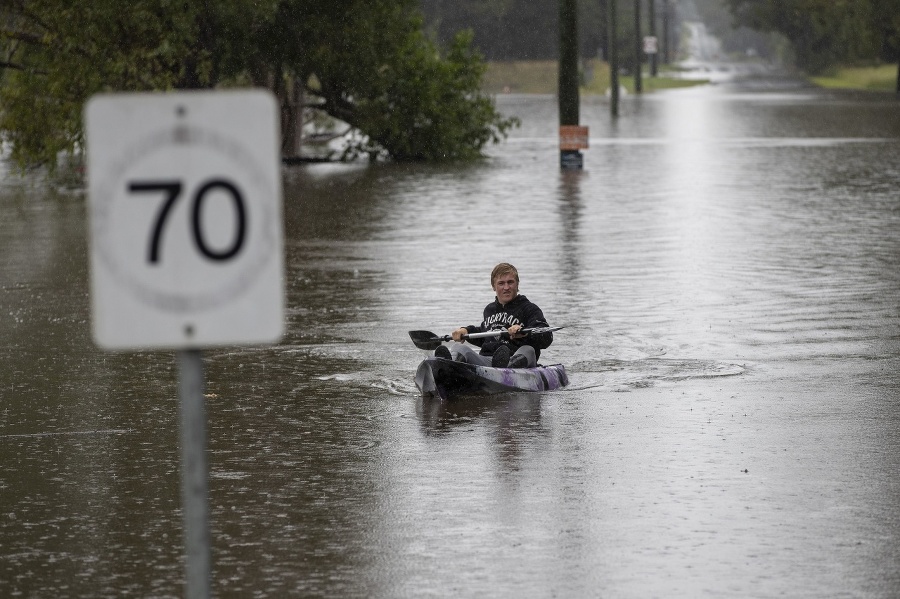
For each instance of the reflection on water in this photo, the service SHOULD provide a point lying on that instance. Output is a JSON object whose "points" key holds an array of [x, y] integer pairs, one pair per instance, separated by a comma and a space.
{"points": [[570, 209], [725, 268]]}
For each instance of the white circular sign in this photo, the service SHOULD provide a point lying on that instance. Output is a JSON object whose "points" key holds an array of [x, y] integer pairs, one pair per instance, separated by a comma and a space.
{"points": [[180, 238]]}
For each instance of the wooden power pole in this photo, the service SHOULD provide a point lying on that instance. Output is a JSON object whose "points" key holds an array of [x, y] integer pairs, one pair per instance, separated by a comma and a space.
{"points": [[653, 55], [613, 58], [572, 137], [638, 48]]}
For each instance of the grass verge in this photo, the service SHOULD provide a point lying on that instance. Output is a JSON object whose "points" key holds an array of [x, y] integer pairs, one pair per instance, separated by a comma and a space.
{"points": [[541, 77], [872, 78]]}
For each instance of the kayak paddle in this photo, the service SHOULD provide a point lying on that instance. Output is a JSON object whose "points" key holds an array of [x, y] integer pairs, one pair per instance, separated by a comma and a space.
{"points": [[430, 341]]}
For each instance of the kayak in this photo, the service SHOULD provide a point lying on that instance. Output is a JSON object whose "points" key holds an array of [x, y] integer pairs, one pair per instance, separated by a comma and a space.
{"points": [[442, 378]]}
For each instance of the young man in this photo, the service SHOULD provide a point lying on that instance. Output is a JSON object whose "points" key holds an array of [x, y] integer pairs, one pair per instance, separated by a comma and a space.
{"points": [[508, 312]]}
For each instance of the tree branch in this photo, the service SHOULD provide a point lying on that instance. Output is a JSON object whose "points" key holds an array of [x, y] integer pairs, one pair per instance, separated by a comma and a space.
{"points": [[22, 36], [12, 65], [334, 104]]}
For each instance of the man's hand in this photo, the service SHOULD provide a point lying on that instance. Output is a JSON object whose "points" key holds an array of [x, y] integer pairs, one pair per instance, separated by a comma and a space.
{"points": [[514, 332], [460, 334]]}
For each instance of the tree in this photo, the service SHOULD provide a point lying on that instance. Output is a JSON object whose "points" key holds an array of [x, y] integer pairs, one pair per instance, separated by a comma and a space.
{"points": [[886, 23], [366, 62], [57, 54], [372, 66], [827, 32]]}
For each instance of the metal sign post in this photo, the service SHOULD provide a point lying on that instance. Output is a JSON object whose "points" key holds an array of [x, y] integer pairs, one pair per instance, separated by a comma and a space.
{"points": [[194, 474], [186, 248]]}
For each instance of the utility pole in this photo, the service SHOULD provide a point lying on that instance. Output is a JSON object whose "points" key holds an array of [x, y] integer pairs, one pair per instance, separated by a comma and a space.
{"points": [[604, 32], [652, 17], [572, 137], [665, 25], [613, 59], [568, 63], [638, 48]]}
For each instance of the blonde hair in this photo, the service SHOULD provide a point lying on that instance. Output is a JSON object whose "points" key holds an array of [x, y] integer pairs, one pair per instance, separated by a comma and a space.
{"points": [[502, 269]]}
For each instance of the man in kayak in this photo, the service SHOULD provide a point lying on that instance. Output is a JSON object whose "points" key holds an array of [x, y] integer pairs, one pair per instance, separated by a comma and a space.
{"points": [[508, 312]]}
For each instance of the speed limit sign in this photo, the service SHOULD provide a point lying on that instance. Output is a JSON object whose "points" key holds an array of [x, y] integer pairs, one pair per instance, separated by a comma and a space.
{"points": [[185, 219]]}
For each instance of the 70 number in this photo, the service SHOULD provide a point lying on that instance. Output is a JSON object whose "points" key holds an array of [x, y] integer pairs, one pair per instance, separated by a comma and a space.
{"points": [[172, 190]]}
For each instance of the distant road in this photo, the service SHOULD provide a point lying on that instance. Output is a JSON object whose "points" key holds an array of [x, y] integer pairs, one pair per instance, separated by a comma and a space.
{"points": [[702, 57]]}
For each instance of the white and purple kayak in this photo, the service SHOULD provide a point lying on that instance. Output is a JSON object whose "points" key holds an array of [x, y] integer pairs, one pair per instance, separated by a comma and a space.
{"points": [[444, 379]]}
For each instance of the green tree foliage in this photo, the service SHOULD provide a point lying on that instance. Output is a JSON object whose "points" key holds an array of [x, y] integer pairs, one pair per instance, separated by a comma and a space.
{"points": [[886, 24], [413, 107], [56, 54], [366, 62], [374, 68], [827, 32]]}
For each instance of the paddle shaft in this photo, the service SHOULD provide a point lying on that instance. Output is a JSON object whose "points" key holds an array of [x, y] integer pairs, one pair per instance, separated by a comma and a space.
{"points": [[477, 335], [428, 340]]}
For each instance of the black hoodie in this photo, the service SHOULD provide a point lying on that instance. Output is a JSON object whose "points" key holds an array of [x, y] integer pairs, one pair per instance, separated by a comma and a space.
{"points": [[518, 311]]}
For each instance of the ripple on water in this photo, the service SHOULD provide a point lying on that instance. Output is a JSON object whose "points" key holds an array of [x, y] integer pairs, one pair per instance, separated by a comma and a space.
{"points": [[647, 372]]}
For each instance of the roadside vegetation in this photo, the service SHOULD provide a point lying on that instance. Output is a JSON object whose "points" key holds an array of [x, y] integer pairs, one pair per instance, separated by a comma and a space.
{"points": [[404, 79], [825, 36], [366, 63], [880, 78]]}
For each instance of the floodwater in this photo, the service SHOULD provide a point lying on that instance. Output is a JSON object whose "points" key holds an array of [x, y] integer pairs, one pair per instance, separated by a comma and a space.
{"points": [[726, 267]]}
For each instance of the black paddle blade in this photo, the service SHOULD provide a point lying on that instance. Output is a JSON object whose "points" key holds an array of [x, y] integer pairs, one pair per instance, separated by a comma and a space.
{"points": [[426, 339]]}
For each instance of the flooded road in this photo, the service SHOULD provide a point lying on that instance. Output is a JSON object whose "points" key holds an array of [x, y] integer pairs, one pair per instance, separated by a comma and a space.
{"points": [[726, 268]]}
